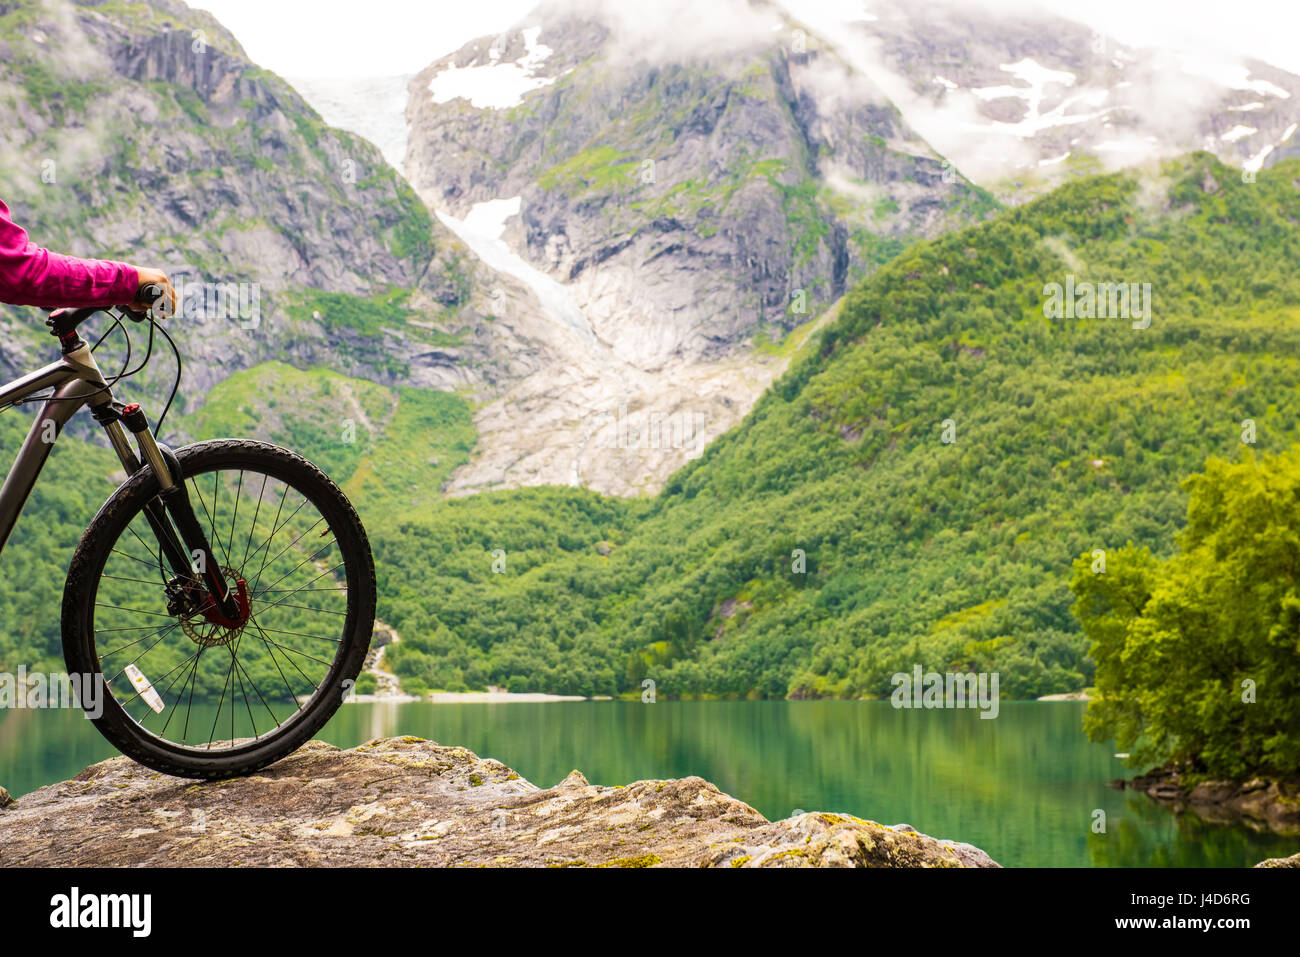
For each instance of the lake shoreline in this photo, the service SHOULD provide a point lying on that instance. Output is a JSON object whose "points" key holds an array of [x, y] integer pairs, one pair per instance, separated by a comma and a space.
{"points": [[467, 697], [1258, 802], [1012, 786], [533, 697]]}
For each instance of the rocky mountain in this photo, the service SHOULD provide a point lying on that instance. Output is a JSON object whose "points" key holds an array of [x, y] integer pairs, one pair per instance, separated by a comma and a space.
{"points": [[1021, 98], [141, 131], [679, 203], [674, 210], [720, 185]]}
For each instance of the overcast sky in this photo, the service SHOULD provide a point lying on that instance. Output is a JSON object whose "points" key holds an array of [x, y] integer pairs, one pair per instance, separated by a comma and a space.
{"points": [[389, 37]]}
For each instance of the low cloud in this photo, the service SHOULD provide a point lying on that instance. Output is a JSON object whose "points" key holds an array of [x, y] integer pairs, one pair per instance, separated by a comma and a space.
{"points": [[682, 29]]}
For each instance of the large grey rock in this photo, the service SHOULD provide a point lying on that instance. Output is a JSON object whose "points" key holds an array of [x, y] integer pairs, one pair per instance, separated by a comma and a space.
{"points": [[411, 802]]}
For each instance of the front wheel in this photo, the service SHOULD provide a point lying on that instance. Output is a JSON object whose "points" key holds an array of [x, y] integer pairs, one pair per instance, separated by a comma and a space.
{"points": [[181, 690]]}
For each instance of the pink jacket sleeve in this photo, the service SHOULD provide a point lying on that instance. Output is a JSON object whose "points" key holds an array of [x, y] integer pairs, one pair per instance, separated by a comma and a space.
{"points": [[31, 276]]}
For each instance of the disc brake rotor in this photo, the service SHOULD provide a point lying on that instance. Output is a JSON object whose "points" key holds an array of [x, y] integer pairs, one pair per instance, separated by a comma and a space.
{"points": [[199, 626]]}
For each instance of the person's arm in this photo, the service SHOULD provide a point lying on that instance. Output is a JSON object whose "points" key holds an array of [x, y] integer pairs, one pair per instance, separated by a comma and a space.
{"points": [[31, 276]]}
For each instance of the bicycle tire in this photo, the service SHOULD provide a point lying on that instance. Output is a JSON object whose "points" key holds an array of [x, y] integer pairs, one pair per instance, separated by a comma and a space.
{"points": [[98, 543]]}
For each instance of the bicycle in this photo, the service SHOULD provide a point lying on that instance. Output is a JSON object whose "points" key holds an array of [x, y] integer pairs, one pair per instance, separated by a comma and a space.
{"points": [[169, 605]]}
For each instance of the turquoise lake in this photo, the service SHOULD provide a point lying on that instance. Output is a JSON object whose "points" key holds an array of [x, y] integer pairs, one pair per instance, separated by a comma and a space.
{"points": [[1023, 787]]}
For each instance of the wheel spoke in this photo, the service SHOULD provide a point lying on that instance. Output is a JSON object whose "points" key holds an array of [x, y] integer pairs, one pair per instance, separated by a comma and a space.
{"points": [[220, 701], [134, 559], [284, 648], [161, 635], [296, 590], [257, 511], [309, 558], [302, 634], [172, 711], [235, 514], [213, 541], [323, 611], [274, 531]]}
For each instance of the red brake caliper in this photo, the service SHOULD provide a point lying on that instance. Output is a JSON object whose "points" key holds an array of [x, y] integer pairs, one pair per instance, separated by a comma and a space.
{"points": [[213, 612]]}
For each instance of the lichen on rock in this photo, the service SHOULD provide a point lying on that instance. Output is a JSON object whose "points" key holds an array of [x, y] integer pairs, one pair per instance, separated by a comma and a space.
{"points": [[1292, 861]]}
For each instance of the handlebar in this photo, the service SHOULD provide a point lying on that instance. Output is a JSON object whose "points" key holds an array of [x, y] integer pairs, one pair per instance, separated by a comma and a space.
{"points": [[63, 322]]}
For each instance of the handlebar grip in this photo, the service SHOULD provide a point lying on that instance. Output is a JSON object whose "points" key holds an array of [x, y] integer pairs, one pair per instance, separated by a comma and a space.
{"points": [[149, 293]]}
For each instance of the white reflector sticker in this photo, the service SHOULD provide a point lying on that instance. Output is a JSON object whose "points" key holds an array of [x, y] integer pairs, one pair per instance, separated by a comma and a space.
{"points": [[144, 688]]}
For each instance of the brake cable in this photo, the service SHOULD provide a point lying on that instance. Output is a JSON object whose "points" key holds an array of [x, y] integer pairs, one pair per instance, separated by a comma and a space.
{"points": [[123, 373], [176, 384]]}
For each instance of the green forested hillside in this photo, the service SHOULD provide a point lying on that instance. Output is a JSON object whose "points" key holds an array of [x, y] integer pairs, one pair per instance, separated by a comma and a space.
{"points": [[835, 537], [1070, 435], [390, 449]]}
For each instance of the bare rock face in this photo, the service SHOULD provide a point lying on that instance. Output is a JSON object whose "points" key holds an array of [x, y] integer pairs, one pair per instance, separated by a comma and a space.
{"points": [[410, 802], [159, 141]]}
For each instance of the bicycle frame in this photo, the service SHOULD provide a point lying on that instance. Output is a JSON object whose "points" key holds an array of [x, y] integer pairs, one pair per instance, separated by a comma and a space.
{"points": [[77, 382], [73, 381]]}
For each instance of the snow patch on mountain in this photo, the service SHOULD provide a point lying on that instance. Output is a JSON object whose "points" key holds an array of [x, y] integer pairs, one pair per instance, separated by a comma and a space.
{"points": [[481, 230], [496, 85], [1033, 74], [1036, 79], [1235, 76]]}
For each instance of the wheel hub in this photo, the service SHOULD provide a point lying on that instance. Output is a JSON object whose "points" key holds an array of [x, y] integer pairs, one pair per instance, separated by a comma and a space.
{"points": [[200, 616]]}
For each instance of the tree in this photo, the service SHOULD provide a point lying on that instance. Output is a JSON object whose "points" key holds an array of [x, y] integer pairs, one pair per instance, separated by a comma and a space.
{"points": [[1198, 656]]}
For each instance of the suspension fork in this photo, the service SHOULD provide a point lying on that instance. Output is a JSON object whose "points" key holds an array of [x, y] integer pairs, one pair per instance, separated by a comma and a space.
{"points": [[192, 547]]}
